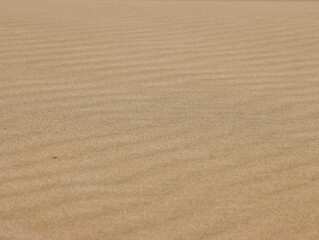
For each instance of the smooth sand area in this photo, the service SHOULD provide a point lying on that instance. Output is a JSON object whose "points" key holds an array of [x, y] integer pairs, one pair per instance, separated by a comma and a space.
{"points": [[159, 120]]}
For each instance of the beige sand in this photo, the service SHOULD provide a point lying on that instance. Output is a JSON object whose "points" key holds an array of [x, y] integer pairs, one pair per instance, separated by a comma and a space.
{"points": [[159, 120]]}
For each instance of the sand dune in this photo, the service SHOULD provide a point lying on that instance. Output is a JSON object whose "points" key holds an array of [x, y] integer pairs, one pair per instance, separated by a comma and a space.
{"points": [[159, 120]]}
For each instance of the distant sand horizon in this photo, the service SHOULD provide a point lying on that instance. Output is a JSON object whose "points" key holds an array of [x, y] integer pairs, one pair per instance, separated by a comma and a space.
{"points": [[159, 120]]}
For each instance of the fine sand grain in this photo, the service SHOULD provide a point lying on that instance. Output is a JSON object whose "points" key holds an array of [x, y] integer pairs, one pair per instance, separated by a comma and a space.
{"points": [[159, 120]]}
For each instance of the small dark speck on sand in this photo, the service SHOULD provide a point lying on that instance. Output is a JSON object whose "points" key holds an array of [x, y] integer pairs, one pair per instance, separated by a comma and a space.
{"points": [[55, 157]]}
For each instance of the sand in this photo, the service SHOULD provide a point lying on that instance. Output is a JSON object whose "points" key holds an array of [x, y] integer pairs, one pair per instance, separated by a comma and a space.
{"points": [[159, 120]]}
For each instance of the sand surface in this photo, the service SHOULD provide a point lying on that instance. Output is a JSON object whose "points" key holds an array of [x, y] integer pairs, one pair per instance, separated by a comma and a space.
{"points": [[159, 120]]}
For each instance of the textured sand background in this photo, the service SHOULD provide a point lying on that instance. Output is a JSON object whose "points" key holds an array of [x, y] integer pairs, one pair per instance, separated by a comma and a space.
{"points": [[159, 120]]}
